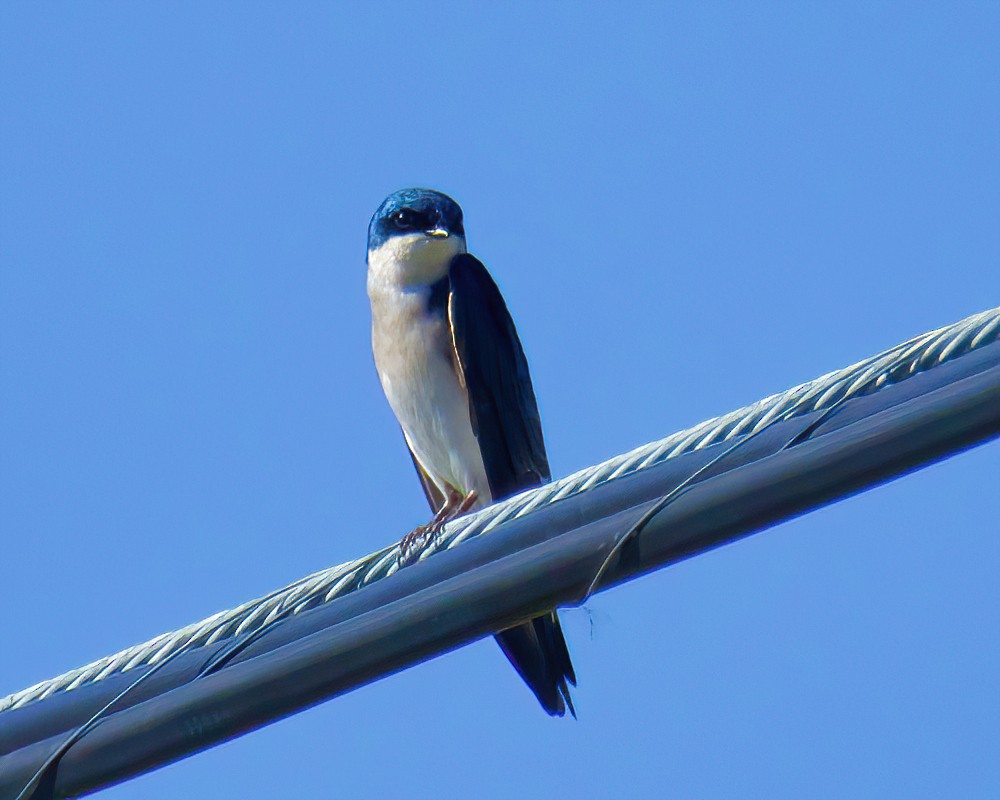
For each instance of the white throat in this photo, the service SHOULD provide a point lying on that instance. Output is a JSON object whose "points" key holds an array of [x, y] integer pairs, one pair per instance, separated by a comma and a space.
{"points": [[413, 260]]}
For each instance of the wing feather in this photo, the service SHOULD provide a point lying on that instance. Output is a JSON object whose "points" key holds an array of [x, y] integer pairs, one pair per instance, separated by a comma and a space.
{"points": [[502, 401], [505, 420]]}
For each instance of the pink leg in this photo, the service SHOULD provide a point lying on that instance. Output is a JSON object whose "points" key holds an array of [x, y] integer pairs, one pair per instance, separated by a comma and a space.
{"points": [[465, 505]]}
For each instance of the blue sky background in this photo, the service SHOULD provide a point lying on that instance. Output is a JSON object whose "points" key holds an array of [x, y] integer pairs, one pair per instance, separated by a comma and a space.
{"points": [[688, 207]]}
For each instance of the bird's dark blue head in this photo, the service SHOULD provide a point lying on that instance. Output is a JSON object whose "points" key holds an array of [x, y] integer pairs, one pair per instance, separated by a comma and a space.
{"points": [[415, 211]]}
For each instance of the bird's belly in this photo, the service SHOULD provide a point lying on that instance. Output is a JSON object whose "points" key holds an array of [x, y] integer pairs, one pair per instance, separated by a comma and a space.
{"points": [[431, 404]]}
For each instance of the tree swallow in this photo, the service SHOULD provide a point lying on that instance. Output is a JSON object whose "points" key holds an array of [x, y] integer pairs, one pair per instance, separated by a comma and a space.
{"points": [[453, 370]]}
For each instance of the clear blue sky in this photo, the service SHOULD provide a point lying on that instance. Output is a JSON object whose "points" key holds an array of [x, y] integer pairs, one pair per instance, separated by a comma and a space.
{"points": [[688, 207]]}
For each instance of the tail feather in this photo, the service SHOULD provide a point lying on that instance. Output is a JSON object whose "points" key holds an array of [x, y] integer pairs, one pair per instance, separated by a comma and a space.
{"points": [[549, 632], [538, 651]]}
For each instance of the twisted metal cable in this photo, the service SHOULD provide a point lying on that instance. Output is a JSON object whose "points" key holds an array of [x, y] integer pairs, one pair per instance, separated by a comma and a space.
{"points": [[865, 377]]}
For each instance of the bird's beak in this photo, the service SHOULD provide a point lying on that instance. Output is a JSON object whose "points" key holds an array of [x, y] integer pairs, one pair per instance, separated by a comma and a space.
{"points": [[437, 233]]}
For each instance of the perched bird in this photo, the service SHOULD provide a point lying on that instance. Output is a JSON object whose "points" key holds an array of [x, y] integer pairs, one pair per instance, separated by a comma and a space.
{"points": [[453, 370]]}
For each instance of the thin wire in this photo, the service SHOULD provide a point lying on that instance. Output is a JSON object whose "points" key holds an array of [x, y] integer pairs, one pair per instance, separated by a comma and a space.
{"points": [[660, 504], [83, 730], [212, 665], [799, 437]]}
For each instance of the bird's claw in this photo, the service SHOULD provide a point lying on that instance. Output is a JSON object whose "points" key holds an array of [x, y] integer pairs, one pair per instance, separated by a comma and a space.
{"points": [[414, 543], [417, 540]]}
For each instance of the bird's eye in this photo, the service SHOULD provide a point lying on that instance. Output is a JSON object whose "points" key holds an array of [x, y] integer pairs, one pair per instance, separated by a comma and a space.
{"points": [[404, 219]]}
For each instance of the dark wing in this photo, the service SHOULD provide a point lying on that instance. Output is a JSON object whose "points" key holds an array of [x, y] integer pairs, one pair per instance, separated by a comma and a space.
{"points": [[505, 420], [501, 400]]}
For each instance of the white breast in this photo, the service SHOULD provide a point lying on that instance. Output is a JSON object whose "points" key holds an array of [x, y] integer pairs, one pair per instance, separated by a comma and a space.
{"points": [[412, 354]]}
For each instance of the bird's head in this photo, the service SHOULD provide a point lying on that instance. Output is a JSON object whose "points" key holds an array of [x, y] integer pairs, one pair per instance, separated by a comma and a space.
{"points": [[419, 227]]}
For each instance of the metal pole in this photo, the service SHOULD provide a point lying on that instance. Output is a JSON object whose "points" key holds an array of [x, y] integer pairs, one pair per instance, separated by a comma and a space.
{"points": [[544, 557]]}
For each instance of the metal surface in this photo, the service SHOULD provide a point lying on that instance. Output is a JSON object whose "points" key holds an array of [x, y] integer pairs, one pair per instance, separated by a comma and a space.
{"points": [[343, 627]]}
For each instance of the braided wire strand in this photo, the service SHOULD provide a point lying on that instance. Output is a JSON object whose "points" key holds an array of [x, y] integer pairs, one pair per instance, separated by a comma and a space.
{"points": [[865, 377]]}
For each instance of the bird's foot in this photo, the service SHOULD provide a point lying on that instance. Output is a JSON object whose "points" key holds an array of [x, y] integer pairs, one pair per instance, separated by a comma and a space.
{"points": [[414, 543], [417, 540]]}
